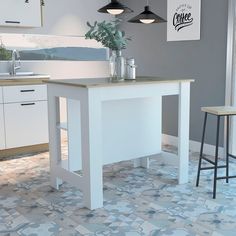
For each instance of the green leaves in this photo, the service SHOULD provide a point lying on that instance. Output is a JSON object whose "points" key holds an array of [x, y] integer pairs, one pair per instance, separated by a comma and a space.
{"points": [[108, 34], [5, 54]]}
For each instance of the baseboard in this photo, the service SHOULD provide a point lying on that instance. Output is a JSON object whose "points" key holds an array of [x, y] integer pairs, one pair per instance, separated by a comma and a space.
{"points": [[23, 150], [193, 145]]}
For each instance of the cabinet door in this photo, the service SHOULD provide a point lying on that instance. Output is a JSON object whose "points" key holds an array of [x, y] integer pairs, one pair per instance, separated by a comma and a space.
{"points": [[2, 129], [19, 13], [26, 124]]}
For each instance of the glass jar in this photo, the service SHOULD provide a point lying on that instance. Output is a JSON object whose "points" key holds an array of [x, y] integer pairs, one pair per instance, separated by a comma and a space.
{"points": [[117, 66]]}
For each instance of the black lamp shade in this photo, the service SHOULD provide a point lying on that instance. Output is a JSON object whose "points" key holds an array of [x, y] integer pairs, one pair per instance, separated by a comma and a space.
{"points": [[147, 15], [115, 5]]}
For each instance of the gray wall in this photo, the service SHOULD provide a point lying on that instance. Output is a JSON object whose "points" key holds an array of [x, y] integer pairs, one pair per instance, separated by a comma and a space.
{"points": [[204, 60]]}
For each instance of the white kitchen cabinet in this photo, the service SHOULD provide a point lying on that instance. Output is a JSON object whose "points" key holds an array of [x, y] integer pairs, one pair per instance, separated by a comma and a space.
{"points": [[26, 123], [2, 129], [19, 13], [23, 115]]}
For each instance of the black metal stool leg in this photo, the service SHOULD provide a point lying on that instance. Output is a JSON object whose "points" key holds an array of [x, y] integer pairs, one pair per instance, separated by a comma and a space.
{"points": [[227, 149], [216, 156], [201, 150]]}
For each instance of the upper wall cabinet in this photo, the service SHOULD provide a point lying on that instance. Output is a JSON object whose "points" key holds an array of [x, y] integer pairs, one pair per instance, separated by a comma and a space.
{"points": [[18, 13]]}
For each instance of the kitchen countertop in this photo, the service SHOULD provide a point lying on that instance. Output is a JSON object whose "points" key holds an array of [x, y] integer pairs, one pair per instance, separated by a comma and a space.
{"points": [[106, 82], [24, 80]]}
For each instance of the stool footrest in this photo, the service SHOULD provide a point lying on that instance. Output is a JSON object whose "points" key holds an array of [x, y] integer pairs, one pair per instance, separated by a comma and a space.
{"points": [[208, 160], [230, 155], [225, 177], [212, 167]]}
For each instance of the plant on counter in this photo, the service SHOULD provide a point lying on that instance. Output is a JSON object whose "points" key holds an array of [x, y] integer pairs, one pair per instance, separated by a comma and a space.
{"points": [[108, 34], [5, 54]]}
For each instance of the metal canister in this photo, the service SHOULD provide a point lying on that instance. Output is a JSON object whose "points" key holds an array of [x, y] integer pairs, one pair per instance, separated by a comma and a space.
{"points": [[130, 69]]}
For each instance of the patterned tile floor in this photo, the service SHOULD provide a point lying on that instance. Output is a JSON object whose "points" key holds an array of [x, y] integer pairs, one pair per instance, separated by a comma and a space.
{"points": [[137, 201]]}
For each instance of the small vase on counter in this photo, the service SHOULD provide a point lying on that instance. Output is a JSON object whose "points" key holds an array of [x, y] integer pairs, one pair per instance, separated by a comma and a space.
{"points": [[117, 66], [130, 69]]}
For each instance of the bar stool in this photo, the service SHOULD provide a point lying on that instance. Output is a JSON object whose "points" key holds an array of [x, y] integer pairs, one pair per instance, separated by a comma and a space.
{"points": [[222, 111]]}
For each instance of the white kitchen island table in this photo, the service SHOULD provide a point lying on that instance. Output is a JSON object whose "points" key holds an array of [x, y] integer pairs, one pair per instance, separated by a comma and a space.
{"points": [[108, 122]]}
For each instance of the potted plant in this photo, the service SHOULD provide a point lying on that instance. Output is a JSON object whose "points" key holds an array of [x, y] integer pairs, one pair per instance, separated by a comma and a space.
{"points": [[109, 35], [5, 54]]}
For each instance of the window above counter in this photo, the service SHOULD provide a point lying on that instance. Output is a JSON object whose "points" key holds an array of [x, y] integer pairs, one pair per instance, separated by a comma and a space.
{"points": [[34, 47]]}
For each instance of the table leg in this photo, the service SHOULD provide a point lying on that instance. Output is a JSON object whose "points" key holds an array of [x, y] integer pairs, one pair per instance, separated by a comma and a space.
{"points": [[141, 162], [183, 132], [92, 151], [54, 138], [74, 135]]}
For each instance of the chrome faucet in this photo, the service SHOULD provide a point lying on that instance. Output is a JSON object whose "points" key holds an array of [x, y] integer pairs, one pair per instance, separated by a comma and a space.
{"points": [[14, 56]]}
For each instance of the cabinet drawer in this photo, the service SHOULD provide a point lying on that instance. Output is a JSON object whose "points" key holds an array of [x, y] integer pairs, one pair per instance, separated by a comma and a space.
{"points": [[26, 124], [24, 93], [1, 98], [2, 129]]}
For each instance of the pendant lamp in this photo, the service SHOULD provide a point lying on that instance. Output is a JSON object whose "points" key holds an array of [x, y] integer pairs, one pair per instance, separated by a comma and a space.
{"points": [[115, 8], [147, 17]]}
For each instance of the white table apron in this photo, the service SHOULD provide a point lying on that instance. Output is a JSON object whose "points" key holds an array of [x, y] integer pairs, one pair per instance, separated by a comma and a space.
{"points": [[91, 145]]}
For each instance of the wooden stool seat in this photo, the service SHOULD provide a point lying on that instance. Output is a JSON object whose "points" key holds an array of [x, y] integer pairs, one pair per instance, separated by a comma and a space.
{"points": [[220, 111]]}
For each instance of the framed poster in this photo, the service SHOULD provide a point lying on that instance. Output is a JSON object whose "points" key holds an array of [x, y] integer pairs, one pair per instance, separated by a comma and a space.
{"points": [[183, 20]]}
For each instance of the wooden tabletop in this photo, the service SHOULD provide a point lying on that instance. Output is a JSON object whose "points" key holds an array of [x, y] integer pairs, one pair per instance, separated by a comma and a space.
{"points": [[107, 82], [24, 80], [220, 110]]}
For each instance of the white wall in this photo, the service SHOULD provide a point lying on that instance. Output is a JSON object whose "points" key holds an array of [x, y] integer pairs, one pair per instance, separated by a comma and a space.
{"points": [[64, 17]]}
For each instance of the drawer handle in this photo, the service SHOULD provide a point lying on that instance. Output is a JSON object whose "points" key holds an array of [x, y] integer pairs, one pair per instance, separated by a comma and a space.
{"points": [[28, 104], [12, 22], [27, 90]]}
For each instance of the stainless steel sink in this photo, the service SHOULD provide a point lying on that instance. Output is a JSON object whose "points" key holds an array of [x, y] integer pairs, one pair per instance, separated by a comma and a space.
{"points": [[4, 74], [22, 75]]}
